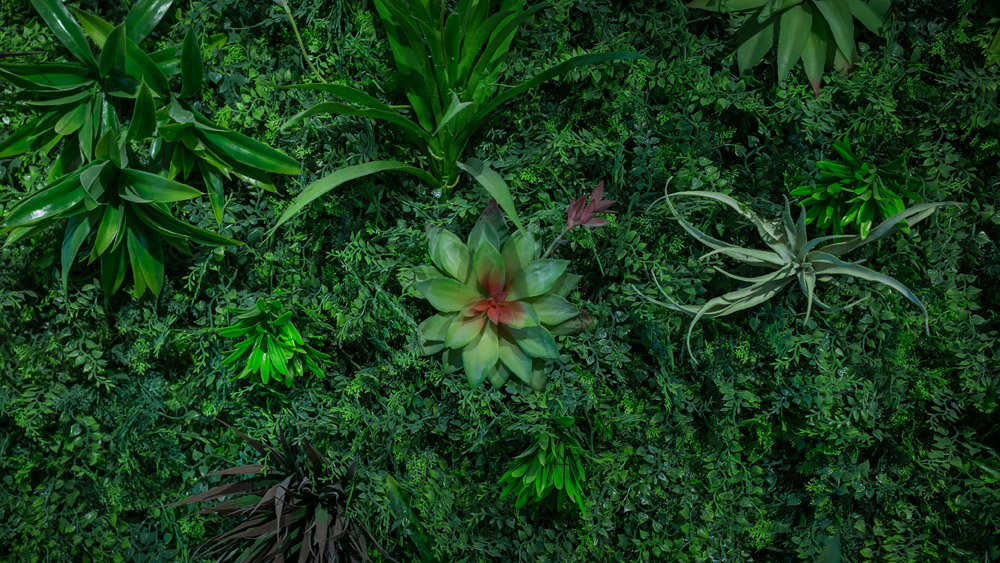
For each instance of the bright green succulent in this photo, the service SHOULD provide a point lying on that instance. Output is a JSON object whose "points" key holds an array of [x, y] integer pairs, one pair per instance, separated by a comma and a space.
{"points": [[793, 258], [500, 305], [818, 32], [276, 348], [850, 192], [553, 464]]}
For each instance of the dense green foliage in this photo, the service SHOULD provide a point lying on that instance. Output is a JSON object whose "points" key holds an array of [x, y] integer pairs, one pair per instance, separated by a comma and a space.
{"points": [[855, 425]]}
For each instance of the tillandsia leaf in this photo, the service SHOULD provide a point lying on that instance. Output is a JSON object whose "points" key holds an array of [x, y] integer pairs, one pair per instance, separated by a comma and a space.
{"points": [[809, 262]]}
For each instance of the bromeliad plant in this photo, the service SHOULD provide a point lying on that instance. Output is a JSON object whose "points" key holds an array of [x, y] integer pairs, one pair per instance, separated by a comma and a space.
{"points": [[851, 191], [817, 32], [449, 65], [793, 258], [500, 305], [553, 464], [119, 111], [292, 509], [276, 348]]}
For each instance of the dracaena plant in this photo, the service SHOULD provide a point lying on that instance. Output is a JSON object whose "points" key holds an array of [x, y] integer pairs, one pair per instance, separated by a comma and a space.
{"points": [[272, 345], [121, 105], [449, 62], [553, 464], [294, 508], [121, 210], [817, 32], [851, 192], [792, 258], [500, 304]]}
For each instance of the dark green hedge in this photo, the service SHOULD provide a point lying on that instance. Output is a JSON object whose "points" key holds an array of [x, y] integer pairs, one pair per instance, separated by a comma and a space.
{"points": [[780, 437]]}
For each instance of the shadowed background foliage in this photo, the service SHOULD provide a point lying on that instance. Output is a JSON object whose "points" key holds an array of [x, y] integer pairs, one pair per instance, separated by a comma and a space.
{"points": [[782, 434]]}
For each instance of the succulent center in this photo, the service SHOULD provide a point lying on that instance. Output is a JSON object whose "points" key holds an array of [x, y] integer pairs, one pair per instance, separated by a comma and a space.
{"points": [[495, 307]]}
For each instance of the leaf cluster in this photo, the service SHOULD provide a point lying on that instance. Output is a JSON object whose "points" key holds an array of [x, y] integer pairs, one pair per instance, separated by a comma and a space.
{"points": [[849, 192], [553, 464]]}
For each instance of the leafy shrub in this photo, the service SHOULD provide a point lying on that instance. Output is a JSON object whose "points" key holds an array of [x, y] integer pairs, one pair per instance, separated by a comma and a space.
{"points": [[850, 192], [448, 67], [819, 32], [83, 104], [275, 346]]}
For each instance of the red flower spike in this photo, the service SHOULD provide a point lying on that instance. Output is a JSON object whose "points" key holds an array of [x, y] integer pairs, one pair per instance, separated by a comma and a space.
{"points": [[581, 212]]}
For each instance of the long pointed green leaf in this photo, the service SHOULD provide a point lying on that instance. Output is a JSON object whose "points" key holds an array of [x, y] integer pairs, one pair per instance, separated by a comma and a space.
{"points": [[250, 152], [495, 186], [838, 17], [146, 254], [112, 56], [157, 188], [51, 201], [143, 123], [77, 229], [67, 29], [144, 16], [320, 187], [94, 26], [191, 65], [793, 34], [755, 40]]}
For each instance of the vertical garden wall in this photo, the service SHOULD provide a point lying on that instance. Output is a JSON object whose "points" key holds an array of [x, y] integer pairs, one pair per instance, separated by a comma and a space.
{"points": [[427, 282]]}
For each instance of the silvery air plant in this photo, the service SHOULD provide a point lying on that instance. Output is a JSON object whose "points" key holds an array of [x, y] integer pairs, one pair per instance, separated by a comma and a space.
{"points": [[500, 303]]}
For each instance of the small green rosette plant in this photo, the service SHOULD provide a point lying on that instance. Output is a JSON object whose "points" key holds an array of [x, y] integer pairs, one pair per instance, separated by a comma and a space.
{"points": [[500, 304]]}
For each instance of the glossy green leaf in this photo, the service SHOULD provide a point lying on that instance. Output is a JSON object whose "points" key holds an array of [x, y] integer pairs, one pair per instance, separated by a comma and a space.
{"points": [[253, 153], [112, 58], [536, 342], [157, 188], [67, 29], [871, 13], [481, 355], [72, 120], [77, 229], [110, 229], [146, 254], [451, 255], [143, 17], [97, 28], [51, 201], [814, 54], [755, 39], [191, 68], [143, 123]]}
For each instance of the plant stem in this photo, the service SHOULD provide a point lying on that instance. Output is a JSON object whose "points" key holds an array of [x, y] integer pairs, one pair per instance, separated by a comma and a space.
{"points": [[302, 47], [555, 242]]}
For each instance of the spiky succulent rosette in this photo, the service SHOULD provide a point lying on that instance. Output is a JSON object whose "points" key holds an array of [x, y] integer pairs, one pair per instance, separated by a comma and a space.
{"points": [[500, 305]]}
